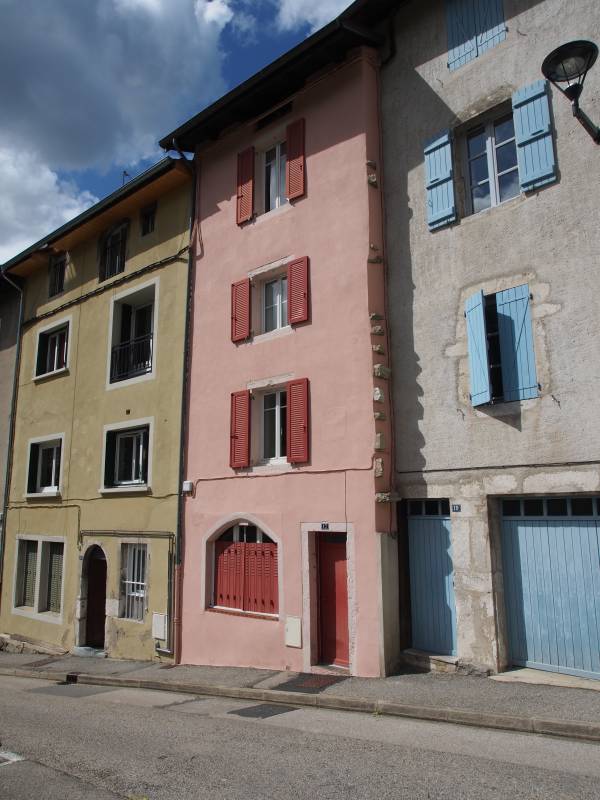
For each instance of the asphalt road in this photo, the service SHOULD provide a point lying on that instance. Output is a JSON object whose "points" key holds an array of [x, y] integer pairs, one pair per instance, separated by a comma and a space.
{"points": [[103, 743]]}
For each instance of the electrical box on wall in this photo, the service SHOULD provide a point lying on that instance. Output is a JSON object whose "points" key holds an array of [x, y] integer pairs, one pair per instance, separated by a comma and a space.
{"points": [[293, 632], [159, 626]]}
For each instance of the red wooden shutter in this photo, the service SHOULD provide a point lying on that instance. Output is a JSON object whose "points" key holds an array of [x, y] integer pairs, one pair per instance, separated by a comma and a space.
{"points": [[297, 288], [297, 421], [294, 168], [240, 310], [261, 584], [245, 186], [239, 451]]}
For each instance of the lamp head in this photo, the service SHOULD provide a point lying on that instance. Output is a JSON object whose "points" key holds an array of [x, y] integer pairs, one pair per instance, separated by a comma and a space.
{"points": [[570, 62]]}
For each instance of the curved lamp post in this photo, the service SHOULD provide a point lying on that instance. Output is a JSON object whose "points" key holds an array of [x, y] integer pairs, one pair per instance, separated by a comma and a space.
{"points": [[569, 64]]}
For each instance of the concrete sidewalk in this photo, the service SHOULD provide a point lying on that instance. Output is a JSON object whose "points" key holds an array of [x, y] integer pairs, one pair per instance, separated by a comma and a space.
{"points": [[468, 700]]}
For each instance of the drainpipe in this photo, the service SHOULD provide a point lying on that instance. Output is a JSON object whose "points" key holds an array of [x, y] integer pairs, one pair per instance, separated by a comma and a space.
{"points": [[176, 585], [11, 429]]}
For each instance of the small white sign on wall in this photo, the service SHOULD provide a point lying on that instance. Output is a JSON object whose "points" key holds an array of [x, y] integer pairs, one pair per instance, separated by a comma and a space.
{"points": [[293, 632], [159, 626]]}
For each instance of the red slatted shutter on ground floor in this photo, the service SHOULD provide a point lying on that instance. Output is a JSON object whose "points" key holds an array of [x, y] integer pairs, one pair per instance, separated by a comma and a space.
{"points": [[297, 288], [297, 421], [240, 310], [261, 581], [239, 450], [295, 164], [229, 574], [245, 186]]}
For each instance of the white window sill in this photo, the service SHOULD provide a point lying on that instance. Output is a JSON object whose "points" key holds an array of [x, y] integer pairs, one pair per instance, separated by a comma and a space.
{"points": [[275, 212], [129, 619], [147, 376], [241, 613], [275, 334], [54, 374], [42, 495], [268, 467], [132, 489], [41, 616]]}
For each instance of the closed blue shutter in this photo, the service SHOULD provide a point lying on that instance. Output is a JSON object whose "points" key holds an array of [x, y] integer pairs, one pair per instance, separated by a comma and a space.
{"points": [[441, 209], [519, 378], [533, 133], [479, 370], [473, 27]]}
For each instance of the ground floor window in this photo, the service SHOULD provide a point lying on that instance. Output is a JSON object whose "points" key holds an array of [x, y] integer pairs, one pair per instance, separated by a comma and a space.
{"points": [[246, 574], [133, 581], [39, 575]]}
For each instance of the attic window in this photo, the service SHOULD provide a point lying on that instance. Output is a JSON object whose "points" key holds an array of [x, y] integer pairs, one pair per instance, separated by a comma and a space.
{"points": [[148, 217]]}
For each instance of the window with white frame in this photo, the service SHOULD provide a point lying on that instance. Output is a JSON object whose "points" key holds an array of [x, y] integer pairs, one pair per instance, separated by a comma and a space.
{"points": [[492, 173], [126, 457], [52, 350], [44, 467], [132, 335], [274, 177], [274, 425], [275, 303], [39, 575], [133, 581]]}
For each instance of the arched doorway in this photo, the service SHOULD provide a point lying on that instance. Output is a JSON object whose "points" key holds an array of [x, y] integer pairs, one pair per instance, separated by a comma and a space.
{"points": [[95, 578]]}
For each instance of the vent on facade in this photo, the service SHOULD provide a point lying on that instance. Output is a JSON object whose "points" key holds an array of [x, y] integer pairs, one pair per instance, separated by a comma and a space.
{"points": [[273, 116]]}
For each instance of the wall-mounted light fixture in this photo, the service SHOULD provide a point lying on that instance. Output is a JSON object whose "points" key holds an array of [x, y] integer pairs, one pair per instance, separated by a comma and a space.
{"points": [[569, 64]]}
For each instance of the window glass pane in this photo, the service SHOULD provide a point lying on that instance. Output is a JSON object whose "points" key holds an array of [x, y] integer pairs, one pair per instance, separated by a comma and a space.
{"points": [[476, 143], [283, 424], [557, 507], [284, 302], [479, 170], [506, 156], [125, 450], [445, 507], [269, 402], [227, 536], [504, 129], [248, 533], [47, 468], [431, 508], [509, 185], [511, 508], [267, 539], [480, 197], [143, 321], [271, 179], [270, 306], [282, 162], [533, 507], [415, 508], [582, 507]]}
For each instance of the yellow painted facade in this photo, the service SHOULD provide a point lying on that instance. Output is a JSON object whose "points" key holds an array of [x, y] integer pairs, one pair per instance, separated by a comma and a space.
{"points": [[79, 406]]}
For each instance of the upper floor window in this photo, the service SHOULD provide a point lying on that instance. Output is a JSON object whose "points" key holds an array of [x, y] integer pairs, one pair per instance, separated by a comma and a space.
{"points": [[132, 335], [126, 457], [44, 466], [501, 352], [492, 163], [56, 282], [114, 251], [275, 302], [274, 426], [473, 28], [274, 177], [148, 217], [52, 350]]}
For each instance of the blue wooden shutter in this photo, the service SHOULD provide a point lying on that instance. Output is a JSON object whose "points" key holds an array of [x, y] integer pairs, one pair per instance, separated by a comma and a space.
{"points": [[491, 28], [517, 357], [479, 368], [473, 27], [460, 20], [533, 133], [441, 208]]}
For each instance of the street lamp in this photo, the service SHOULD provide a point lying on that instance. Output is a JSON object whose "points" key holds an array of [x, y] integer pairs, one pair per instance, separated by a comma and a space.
{"points": [[569, 64]]}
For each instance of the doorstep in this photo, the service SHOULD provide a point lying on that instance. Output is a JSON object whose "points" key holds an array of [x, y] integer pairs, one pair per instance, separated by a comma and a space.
{"points": [[429, 662], [88, 652], [544, 678]]}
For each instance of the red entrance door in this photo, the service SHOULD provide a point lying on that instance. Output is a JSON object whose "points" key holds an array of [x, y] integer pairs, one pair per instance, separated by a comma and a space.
{"points": [[96, 599], [333, 600]]}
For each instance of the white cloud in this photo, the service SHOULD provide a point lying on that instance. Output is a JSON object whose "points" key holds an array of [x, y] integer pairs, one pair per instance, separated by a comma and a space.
{"points": [[294, 14], [33, 202]]}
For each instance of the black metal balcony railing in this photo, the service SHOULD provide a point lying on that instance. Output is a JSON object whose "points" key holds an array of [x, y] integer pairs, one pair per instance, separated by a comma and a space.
{"points": [[132, 358]]}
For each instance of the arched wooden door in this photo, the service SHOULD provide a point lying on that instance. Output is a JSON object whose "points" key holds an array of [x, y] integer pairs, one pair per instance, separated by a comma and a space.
{"points": [[96, 598]]}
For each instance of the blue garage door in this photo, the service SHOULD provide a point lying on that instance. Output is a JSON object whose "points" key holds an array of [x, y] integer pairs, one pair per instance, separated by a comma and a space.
{"points": [[551, 562], [433, 611]]}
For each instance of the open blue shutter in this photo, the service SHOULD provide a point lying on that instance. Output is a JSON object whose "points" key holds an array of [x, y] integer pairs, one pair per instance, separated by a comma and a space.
{"points": [[479, 369], [519, 379], [491, 28], [462, 32], [533, 133], [441, 208], [473, 27]]}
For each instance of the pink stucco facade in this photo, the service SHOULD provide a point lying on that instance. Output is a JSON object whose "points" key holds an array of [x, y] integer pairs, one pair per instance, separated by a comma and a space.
{"points": [[337, 224]]}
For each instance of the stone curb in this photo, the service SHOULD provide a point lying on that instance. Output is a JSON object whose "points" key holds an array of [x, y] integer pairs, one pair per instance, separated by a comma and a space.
{"points": [[567, 729]]}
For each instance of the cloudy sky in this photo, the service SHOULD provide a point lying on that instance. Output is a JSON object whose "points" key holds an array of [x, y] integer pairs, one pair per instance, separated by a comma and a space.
{"points": [[87, 87]]}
